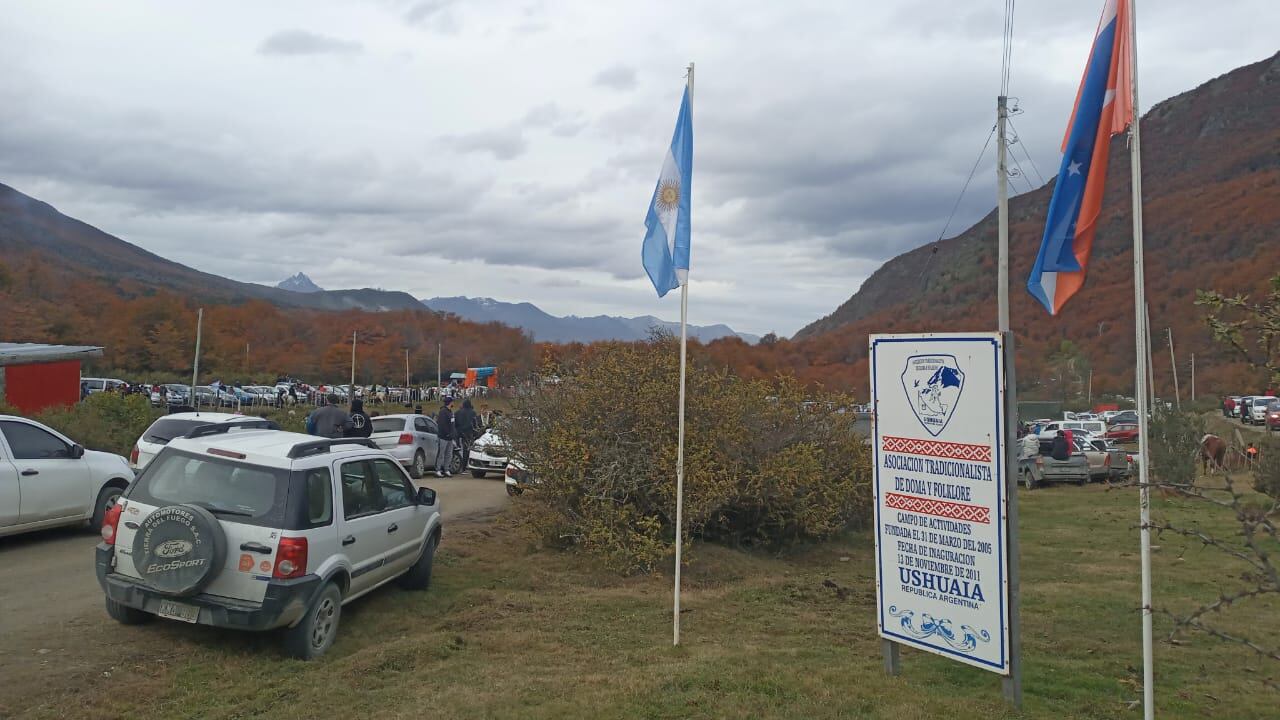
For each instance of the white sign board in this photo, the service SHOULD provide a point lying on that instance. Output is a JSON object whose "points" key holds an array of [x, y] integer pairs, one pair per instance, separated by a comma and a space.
{"points": [[941, 536]]}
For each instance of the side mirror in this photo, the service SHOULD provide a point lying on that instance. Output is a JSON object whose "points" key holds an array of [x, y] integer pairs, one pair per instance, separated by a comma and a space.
{"points": [[426, 496], [77, 451]]}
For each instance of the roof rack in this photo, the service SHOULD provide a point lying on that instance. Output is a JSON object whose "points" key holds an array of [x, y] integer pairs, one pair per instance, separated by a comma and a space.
{"points": [[315, 447], [220, 428]]}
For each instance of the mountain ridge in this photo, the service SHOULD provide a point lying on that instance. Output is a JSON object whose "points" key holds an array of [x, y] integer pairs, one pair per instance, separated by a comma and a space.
{"points": [[545, 327], [299, 283]]}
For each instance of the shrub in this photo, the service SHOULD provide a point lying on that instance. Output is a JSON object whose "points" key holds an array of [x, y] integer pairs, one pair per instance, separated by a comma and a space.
{"points": [[763, 466], [1266, 471], [104, 421], [1174, 451]]}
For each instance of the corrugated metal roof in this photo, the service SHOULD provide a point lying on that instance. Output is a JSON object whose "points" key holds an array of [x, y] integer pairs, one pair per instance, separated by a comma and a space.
{"points": [[23, 353]]}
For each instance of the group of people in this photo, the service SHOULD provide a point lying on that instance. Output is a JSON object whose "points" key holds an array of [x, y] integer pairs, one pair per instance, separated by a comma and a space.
{"points": [[461, 428]]}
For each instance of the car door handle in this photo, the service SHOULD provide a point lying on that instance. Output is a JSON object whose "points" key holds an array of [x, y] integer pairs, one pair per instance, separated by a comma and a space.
{"points": [[393, 528], [349, 540], [29, 472], [131, 525], [255, 547]]}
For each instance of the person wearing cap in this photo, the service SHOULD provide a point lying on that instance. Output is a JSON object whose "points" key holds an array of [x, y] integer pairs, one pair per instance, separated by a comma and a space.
{"points": [[446, 434]]}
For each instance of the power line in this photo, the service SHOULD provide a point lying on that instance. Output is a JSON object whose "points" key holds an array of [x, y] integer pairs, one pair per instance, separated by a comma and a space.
{"points": [[972, 171], [1030, 159]]}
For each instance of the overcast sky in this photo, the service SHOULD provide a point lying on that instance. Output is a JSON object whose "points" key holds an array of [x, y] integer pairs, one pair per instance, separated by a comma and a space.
{"points": [[509, 148]]}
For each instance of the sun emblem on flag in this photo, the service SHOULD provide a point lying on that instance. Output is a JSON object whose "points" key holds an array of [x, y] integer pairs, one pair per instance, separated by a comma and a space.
{"points": [[668, 195]]}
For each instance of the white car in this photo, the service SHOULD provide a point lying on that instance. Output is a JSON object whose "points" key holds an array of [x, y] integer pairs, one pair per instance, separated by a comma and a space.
{"points": [[1092, 428], [489, 454], [411, 440], [1258, 409], [169, 427], [47, 480], [97, 385], [265, 529]]}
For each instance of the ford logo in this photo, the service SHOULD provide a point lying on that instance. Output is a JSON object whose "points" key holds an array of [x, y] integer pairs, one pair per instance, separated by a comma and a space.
{"points": [[173, 548]]}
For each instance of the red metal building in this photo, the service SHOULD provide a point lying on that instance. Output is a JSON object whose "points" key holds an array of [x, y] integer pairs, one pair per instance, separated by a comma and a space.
{"points": [[34, 377]]}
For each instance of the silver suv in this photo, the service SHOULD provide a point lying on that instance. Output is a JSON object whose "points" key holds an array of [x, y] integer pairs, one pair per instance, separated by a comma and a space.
{"points": [[262, 529]]}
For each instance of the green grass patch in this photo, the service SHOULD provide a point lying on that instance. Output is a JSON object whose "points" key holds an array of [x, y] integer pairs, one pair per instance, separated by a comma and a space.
{"points": [[509, 631]]}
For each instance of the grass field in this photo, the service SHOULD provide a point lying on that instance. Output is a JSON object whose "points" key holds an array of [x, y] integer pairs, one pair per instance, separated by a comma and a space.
{"points": [[512, 631]]}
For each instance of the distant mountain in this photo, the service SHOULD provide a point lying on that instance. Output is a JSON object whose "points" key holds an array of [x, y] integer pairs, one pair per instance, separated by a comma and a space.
{"points": [[1211, 190], [299, 283], [545, 327], [70, 246]]}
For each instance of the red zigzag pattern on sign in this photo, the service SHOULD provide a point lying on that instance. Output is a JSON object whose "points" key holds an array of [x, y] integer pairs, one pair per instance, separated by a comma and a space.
{"points": [[938, 508], [937, 448]]}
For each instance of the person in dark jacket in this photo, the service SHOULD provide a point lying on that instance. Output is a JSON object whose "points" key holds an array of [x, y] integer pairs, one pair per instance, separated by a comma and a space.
{"points": [[468, 424], [1060, 450], [446, 434], [361, 423], [331, 421]]}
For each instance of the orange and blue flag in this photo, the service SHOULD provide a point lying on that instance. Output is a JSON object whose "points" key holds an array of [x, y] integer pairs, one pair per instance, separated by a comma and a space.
{"points": [[1104, 107]]}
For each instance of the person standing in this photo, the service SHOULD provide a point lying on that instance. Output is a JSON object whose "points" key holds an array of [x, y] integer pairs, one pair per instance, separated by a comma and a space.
{"points": [[361, 423], [468, 424], [447, 433], [331, 421]]}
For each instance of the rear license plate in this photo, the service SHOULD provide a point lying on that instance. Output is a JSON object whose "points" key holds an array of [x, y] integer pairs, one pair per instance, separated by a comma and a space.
{"points": [[178, 611]]}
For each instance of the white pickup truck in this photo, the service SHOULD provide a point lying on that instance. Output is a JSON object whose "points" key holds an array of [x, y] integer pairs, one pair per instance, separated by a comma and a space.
{"points": [[47, 480]]}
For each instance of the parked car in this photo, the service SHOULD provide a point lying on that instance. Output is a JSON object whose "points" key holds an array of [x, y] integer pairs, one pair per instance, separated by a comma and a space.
{"points": [[1229, 404], [1043, 468], [1273, 416], [97, 385], [1123, 432], [1238, 410], [263, 395], [1125, 417], [1258, 409], [1106, 461], [178, 394], [173, 426], [1078, 427], [518, 478], [205, 396], [411, 439], [489, 454], [47, 480], [259, 530]]}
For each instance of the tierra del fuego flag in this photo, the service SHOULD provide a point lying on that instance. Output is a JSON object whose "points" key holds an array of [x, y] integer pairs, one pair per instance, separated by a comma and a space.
{"points": [[1104, 107]]}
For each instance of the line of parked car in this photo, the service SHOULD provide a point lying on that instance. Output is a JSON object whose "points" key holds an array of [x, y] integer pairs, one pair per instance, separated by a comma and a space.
{"points": [[1253, 410], [1095, 454]]}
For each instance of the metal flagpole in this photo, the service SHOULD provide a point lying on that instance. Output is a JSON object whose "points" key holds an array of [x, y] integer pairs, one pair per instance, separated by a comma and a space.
{"points": [[406, 373], [684, 318], [195, 371], [1173, 361], [1012, 683], [1139, 310]]}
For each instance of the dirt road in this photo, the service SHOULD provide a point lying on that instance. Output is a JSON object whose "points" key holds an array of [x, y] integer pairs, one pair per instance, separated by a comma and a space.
{"points": [[53, 622]]}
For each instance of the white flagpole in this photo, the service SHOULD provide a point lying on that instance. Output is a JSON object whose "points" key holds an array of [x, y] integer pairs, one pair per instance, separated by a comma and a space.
{"points": [[684, 317], [195, 370], [1140, 392]]}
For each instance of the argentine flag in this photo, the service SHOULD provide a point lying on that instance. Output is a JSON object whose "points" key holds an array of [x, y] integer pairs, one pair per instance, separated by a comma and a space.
{"points": [[666, 242]]}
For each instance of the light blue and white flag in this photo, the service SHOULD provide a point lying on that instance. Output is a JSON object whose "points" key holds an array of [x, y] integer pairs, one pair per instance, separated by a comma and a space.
{"points": [[666, 243]]}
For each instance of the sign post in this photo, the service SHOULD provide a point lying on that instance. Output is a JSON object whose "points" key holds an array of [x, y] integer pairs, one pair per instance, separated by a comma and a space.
{"points": [[942, 511]]}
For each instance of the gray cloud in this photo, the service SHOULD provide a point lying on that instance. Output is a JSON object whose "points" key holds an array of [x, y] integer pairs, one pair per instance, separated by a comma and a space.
{"points": [[617, 77], [301, 42], [481, 157]]}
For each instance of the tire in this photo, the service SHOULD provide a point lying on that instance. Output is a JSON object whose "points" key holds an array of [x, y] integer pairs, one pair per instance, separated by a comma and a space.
{"points": [[514, 490], [478, 474], [107, 498], [179, 549], [455, 466], [418, 576], [126, 615], [1029, 479], [419, 466], [313, 635]]}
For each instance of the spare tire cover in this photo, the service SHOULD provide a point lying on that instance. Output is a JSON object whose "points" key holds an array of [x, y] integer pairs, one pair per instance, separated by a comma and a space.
{"points": [[179, 549]]}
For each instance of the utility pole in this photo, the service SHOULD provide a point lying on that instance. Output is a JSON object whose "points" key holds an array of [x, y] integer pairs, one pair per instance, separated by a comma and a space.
{"points": [[195, 370], [406, 370], [351, 389], [439, 355], [1193, 378], [1090, 400], [1173, 362]]}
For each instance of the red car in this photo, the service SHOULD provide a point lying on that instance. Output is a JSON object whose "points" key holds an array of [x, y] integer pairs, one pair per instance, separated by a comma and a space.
{"points": [[1127, 432], [1273, 416]]}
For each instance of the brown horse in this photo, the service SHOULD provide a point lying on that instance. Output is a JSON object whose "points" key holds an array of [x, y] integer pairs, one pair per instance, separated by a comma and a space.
{"points": [[1213, 449]]}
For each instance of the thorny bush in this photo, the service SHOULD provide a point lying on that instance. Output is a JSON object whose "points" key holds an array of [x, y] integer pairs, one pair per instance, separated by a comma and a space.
{"points": [[765, 464]]}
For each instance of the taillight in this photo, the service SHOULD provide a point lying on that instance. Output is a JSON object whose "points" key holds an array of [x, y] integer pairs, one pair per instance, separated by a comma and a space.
{"points": [[291, 558], [133, 456], [511, 471], [109, 523], [406, 439]]}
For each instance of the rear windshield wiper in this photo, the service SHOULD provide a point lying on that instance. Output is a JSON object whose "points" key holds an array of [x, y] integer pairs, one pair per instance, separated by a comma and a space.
{"points": [[223, 511]]}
